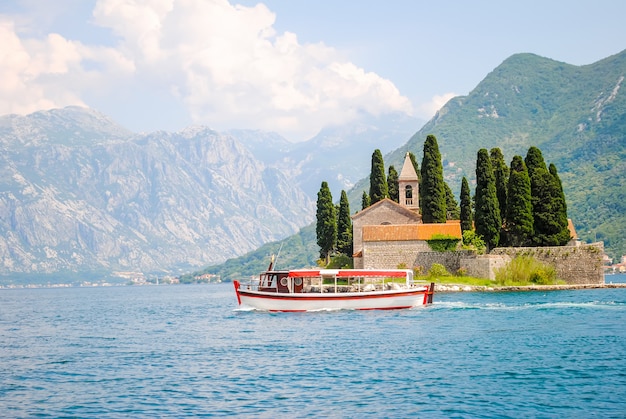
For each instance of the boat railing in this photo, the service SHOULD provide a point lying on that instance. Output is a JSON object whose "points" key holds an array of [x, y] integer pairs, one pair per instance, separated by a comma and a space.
{"points": [[251, 284], [332, 281], [335, 283]]}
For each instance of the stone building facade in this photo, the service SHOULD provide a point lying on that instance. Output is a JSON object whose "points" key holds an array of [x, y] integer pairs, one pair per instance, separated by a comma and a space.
{"points": [[389, 234]]}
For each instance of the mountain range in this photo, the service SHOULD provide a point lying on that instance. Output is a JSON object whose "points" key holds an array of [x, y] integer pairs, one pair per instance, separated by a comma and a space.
{"points": [[82, 196]]}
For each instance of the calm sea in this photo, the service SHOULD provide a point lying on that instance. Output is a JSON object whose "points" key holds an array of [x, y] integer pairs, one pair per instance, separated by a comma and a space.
{"points": [[186, 351]]}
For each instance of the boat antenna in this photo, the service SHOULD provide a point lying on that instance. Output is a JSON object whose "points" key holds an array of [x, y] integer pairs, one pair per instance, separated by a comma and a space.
{"points": [[278, 254]]}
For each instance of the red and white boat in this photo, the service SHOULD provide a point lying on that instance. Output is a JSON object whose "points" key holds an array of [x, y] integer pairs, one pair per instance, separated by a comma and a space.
{"points": [[333, 289]]}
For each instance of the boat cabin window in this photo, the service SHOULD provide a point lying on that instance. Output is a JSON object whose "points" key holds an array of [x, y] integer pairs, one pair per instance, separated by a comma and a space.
{"points": [[268, 280]]}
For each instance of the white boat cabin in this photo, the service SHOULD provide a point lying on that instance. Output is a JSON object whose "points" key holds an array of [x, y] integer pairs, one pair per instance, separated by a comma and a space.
{"points": [[334, 280]]}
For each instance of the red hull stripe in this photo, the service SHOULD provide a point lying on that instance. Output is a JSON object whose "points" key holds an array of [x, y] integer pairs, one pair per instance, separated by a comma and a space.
{"points": [[361, 309]]}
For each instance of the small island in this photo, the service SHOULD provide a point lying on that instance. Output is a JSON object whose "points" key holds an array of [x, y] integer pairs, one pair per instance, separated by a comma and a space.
{"points": [[513, 233]]}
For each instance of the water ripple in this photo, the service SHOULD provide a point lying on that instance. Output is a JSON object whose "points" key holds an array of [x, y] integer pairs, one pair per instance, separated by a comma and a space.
{"points": [[189, 352]]}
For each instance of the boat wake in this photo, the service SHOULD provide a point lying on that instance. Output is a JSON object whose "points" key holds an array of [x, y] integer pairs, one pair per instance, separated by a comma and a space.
{"points": [[594, 305]]}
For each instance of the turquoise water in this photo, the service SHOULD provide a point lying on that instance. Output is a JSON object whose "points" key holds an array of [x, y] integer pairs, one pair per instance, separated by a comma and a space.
{"points": [[186, 351]]}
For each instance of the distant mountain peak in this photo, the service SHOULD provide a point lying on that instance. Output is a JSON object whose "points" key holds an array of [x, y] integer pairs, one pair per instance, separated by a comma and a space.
{"points": [[69, 125]]}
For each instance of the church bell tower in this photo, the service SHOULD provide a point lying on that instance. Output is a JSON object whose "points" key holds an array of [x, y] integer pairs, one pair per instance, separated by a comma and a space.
{"points": [[408, 186]]}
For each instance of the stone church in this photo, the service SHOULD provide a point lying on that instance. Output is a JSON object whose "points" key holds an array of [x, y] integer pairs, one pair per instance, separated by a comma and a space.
{"points": [[389, 234]]}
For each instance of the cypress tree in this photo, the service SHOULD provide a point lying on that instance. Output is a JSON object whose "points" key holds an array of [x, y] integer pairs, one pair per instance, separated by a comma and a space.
{"points": [[560, 208], [432, 190], [487, 217], [549, 226], [534, 161], [553, 172], [519, 216], [466, 206], [326, 227], [544, 218], [344, 226], [501, 172], [365, 200], [392, 184], [378, 183], [452, 207]]}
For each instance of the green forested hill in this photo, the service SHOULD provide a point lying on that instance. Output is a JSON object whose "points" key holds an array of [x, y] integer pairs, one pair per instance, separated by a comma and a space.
{"points": [[576, 115]]}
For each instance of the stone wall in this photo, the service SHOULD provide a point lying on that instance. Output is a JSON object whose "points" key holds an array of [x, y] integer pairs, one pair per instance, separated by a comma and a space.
{"points": [[484, 266], [391, 255], [574, 264], [452, 261]]}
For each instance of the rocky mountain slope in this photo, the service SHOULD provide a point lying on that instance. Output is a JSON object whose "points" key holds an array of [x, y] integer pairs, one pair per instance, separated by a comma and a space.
{"points": [[80, 194]]}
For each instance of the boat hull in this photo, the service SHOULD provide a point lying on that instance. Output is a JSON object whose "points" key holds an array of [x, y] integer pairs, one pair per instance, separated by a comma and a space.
{"points": [[294, 302]]}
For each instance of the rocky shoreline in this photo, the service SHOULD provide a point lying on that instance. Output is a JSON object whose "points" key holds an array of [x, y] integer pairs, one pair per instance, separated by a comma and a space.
{"points": [[475, 288]]}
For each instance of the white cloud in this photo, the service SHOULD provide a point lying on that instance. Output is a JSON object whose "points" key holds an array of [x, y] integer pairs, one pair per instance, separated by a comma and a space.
{"points": [[50, 72], [224, 62], [428, 110], [29, 71]]}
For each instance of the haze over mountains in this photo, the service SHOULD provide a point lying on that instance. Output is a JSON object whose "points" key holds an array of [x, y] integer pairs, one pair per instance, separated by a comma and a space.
{"points": [[80, 194]]}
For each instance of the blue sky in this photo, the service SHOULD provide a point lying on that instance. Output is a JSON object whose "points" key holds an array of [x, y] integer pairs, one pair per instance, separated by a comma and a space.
{"points": [[290, 66]]}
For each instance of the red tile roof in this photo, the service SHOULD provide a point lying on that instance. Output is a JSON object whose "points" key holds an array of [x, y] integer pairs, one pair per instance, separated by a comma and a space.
{"points": [[407, 232]]}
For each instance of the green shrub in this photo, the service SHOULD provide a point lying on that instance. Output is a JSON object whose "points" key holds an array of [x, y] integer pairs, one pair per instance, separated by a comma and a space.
{"points": [[472, 241], [438, 270], [524, 270], [340, 262], [442, 243]]}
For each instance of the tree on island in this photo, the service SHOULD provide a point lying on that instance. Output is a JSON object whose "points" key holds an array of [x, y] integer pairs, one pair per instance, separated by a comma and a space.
{"points": [[519, 215], [529, 194], [326, 226], [549, 226], [365, 200], [501, 173], [432, 189], [487, 215], [392, 184], [378, 183], [344, 226], [563, 236], [452, 207], [466, 207]]}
